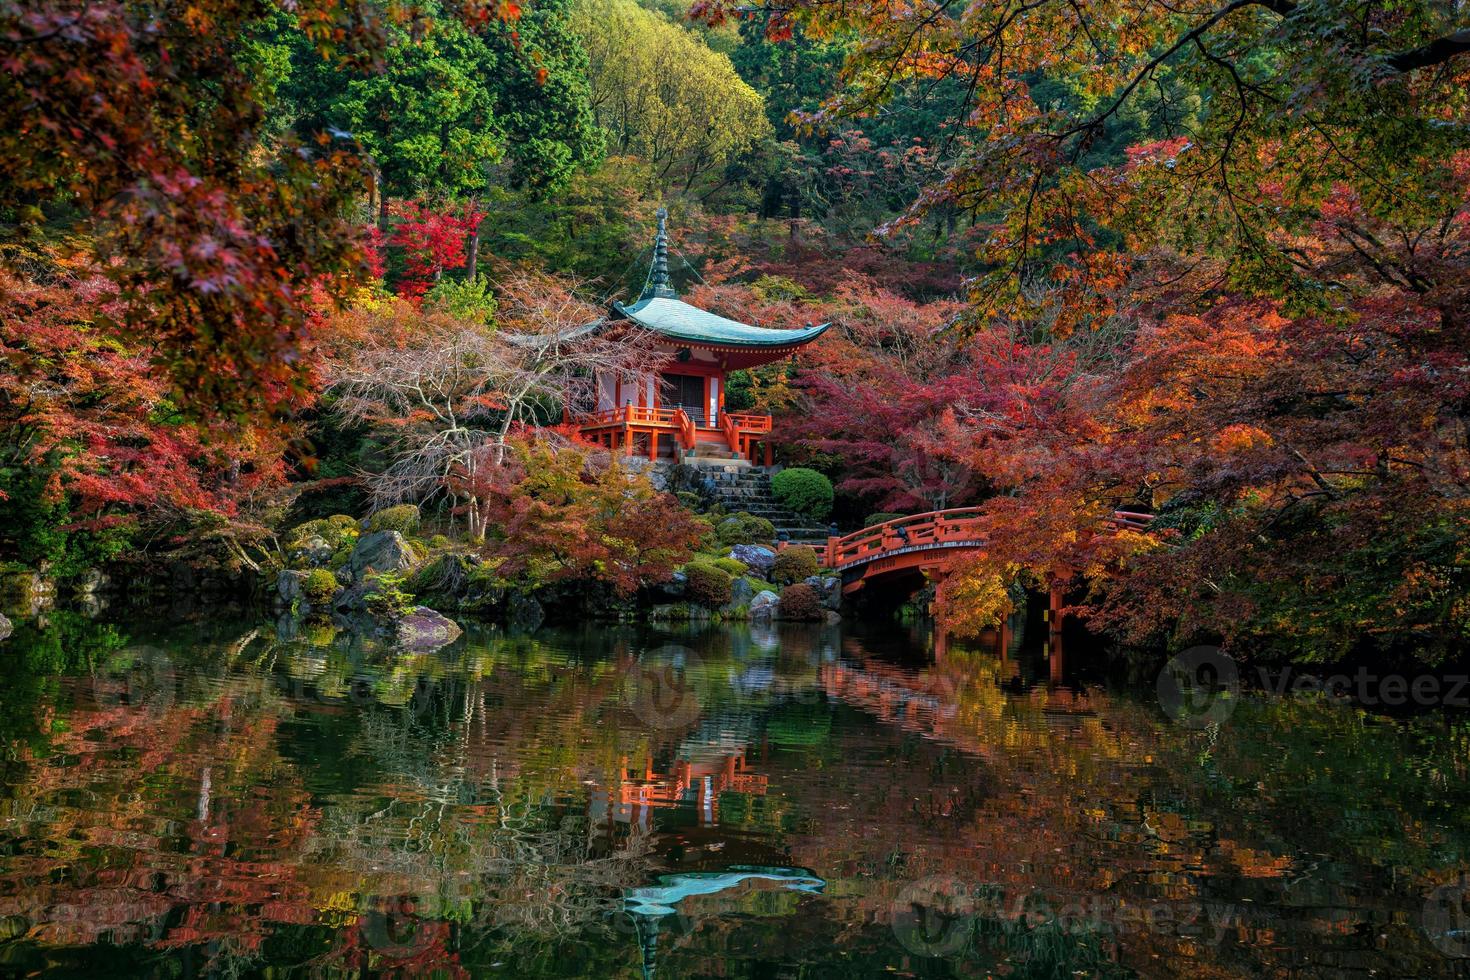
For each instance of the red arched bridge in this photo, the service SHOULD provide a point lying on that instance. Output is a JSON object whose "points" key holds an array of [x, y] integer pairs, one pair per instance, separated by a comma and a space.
{"points": [[917, 543]]}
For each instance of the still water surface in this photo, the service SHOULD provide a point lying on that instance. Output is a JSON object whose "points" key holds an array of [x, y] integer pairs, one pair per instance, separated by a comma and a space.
{"points": [[211, 799]]}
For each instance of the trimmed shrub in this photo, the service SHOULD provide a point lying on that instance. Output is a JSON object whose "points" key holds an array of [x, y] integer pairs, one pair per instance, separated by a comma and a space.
{"points": [[734, 566], [404, 519], [439, 541], [804, 491], [707, 585], [873, 520], [689, 499], [793, 565], [319, 587], [743, 528], [800, 602]]}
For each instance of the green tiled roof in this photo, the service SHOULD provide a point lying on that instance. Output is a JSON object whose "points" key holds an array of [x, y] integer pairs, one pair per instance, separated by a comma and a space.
{"points": [[677, 320]]}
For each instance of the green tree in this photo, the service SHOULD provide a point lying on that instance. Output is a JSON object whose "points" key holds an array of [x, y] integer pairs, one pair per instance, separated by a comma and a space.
{"points": [[451, 103], [664, 96]]}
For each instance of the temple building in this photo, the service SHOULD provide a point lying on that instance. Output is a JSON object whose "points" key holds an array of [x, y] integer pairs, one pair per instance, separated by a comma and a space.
{"points": [[682, 413]]}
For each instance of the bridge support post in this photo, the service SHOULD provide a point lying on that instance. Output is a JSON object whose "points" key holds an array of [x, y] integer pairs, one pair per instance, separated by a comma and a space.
{"points": [[1054, 634]]}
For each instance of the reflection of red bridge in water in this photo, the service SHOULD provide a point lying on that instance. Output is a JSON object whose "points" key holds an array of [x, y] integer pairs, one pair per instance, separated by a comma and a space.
{"points": [[918, 543]]}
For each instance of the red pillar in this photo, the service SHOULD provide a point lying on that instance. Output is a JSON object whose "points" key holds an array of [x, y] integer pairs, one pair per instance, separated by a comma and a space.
{"points": [[1054, 633]]}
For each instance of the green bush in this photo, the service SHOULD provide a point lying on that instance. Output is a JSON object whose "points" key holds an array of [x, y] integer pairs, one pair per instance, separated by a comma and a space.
{"points": [[793, 565], [743, 528], [707, 585], [804, 491], [319, 587], [734, 566], [709, 538], [404, 519], [439, 541], [800, 602], [689, 499], [882, 517], [385, 596], [469, 300]]}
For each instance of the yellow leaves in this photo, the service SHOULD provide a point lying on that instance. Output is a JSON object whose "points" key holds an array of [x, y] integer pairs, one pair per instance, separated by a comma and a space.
{"points": [[1241, 438], [662, 93], [976, 596]]}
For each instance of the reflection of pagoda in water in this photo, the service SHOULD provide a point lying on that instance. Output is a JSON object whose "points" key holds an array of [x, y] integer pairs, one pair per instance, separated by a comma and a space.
{"points": [[635, 790]]}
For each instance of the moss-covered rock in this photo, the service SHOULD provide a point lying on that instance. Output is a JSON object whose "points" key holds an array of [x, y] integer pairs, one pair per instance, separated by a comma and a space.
{"points": [[319, 542], [319, 586], [743, 528], [404, 518]]}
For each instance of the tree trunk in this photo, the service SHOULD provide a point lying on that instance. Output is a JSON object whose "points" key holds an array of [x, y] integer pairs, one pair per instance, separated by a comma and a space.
{"points": [[473, 263]]}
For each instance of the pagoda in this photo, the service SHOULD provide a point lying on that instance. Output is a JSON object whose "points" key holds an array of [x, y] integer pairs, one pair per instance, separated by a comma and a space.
{"points": [[681, 412]]}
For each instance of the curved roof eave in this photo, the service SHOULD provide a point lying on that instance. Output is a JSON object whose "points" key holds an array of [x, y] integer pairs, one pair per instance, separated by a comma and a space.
{"points": [[678, 320]]}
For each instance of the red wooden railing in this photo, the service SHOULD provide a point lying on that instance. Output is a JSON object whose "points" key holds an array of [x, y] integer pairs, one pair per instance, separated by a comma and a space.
{"points": [[938, 528], [629, 414], [958, 527], [687, 433], [740, 430]]}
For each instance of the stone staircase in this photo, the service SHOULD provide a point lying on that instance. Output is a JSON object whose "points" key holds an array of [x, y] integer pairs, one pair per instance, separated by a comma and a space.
{"points": [[739, 485]]}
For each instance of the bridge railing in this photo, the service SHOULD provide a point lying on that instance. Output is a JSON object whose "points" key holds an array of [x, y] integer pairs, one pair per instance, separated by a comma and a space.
{"points": [[939, 527]]}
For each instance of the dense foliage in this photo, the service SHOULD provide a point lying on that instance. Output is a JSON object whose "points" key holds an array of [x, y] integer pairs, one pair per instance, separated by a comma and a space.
{"points": [[1205, 261]]}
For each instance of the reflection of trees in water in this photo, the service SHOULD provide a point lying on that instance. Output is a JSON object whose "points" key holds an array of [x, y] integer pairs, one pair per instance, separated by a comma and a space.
{"points": [[256, 786]]}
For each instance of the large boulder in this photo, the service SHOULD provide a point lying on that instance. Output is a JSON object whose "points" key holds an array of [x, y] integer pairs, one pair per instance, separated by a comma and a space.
{"points": [[5, 627], [314, 552], [757, 557], [678, 612], [764, 605], [424, 629], [741, 593], [91, 580], [675, 586], [526, 614], [828, 589], [27, 593], [381, 552], [352, 599], [289, 585]]}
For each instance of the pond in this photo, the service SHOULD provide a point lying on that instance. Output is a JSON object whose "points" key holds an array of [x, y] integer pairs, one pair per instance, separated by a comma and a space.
{"points": [[221, 798]]}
